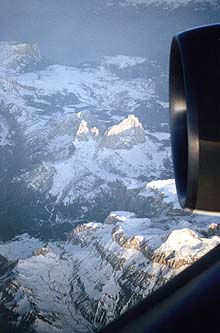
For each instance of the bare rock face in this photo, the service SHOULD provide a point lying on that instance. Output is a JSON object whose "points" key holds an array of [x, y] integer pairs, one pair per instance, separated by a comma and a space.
{"points": [[5, 265], [84, 133], [124, 135]]}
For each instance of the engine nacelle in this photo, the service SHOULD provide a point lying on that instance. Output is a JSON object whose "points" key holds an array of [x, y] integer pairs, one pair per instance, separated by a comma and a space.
{"points": [[194, 93]]}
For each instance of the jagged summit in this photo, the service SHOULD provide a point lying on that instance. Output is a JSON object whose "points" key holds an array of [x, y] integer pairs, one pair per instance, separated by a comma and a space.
{"points": [[130, 122], [84, 132], [16, 57], [125, 135]]}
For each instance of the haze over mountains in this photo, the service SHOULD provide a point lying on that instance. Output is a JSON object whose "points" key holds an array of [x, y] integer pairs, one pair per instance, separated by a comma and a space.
{"points": [[89, 219], [72, 34]]}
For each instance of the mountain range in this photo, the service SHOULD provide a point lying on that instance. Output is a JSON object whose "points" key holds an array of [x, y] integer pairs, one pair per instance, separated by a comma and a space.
{"points": [[90, 222]]}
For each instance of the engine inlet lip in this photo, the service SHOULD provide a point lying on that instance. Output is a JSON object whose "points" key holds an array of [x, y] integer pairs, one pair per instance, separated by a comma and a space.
{"points": [[183, 128]]}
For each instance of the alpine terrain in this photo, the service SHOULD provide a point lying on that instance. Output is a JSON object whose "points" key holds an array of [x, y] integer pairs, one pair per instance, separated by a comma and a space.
{"points": [[89, 219]]}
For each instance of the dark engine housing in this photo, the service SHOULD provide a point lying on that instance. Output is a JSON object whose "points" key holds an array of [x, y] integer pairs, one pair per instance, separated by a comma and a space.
{"points": [[195, 117]]}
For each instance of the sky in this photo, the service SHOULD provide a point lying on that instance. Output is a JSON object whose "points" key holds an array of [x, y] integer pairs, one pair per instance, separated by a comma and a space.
{"points": [[72, 32]]}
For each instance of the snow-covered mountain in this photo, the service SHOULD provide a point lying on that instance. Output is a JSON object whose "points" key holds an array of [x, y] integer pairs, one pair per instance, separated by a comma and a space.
{"points": [[102, 270], [123, 154], [81, 142], [90, 222], [125, 135], [17, 57]]}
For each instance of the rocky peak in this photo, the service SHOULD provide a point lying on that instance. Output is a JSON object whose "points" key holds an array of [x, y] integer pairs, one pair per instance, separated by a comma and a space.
{"points": [[128, 123], [84, 132], [17, 57], [125, 135]]}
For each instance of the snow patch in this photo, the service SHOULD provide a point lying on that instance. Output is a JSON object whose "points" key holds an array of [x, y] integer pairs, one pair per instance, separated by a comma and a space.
{"points": [[122, 61], [169, 4], [165, 187], [21, 247]]}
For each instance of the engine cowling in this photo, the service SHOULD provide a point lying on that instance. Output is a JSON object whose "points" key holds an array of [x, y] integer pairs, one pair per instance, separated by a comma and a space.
{"points": [[194, 95]]}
